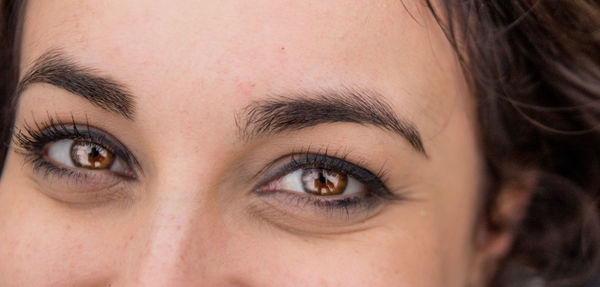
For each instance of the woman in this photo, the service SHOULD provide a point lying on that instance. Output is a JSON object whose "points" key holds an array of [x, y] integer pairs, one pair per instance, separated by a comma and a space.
{"points": [[301, 143]]}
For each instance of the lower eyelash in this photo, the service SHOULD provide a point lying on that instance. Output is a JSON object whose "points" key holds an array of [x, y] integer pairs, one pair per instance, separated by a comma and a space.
{"points": [[345, 206], [48, 169]]}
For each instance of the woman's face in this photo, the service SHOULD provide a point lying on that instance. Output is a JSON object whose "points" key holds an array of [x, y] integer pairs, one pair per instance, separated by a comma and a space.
{"points": [[254, 143]]}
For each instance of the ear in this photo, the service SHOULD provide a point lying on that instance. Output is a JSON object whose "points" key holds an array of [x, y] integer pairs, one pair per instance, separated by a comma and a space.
{"points": [[497, 228]]}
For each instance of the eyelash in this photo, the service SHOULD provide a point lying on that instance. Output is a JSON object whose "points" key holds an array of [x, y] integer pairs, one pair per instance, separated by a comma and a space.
{"points": [[374, 182], [32, 139]]}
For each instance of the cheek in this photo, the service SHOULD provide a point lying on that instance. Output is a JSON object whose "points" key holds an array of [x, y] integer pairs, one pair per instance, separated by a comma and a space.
{"points": [[39, 250], [401, 254]]}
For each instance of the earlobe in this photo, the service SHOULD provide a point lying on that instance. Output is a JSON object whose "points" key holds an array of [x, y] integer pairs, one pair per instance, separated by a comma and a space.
{"points": [[496, 232]]}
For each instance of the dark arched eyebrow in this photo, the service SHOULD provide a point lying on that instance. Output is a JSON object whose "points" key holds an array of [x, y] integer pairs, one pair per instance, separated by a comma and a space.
{"points": [[273, 115], [55, 68], [293, 112]]}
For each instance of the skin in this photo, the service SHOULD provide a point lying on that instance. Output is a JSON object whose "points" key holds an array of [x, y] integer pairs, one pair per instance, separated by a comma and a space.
{"points": [[191, 217]]}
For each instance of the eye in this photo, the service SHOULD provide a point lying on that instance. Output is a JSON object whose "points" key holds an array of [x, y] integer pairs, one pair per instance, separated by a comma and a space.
{"points": [[323, 177], [318, 193], [87, 155], [318, 182]]}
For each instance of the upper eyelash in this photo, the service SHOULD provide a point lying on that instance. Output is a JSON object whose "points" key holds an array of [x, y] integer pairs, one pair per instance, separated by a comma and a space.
{"points": [[32, 139]]}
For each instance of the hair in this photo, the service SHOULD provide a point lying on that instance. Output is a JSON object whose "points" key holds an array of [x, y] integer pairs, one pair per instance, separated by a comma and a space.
{"points": [[9, 30], [534, 68]]}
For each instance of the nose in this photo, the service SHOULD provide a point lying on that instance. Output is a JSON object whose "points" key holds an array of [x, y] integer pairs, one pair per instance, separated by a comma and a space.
{"points": [[168, 232], [177, 236]]}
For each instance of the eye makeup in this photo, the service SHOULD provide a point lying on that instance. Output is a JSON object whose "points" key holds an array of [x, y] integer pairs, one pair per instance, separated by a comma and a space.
{"points": [[308, 184], [363, 191], [41, 142]]}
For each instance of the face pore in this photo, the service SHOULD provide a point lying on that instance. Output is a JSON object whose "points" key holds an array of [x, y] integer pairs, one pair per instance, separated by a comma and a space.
{"points": [[191, 216]]}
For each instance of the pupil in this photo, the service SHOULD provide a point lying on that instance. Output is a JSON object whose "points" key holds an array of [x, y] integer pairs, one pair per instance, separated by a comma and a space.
{"points": [[94, 152], [322, 177]]}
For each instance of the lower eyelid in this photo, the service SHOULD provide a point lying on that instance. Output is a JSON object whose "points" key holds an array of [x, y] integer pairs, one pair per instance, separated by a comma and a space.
{"points": [[304, 216], [306, 203], [56, 175]]}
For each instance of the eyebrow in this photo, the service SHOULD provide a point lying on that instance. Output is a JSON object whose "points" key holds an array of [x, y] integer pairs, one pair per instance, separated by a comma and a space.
{"points": [[55, 68], [275, 115], [282, 113]]}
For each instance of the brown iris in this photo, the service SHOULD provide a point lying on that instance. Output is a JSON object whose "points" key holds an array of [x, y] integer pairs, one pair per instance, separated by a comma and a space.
{"points": [[91, 156], [324, 182]]}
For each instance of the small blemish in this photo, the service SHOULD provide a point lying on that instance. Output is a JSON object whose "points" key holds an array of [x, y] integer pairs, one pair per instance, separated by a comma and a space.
{"points": [[246, 88]]}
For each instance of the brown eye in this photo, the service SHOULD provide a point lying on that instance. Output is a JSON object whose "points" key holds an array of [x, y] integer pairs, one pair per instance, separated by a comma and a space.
{"points": [[80, 154], [91, 156], [324, 182]]}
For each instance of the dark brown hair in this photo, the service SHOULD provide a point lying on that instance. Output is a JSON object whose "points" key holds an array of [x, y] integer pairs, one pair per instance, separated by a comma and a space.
{"points": [[8, 71], [534, 68]]}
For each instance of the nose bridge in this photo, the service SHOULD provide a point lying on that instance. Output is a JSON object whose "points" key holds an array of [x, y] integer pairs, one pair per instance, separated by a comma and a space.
{"points": [[162, 243], [177, 218], [172, 241]]}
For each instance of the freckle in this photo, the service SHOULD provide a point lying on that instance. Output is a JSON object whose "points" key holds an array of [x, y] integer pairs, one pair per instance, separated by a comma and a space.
{"points": [[178, 227], [282, 48]]}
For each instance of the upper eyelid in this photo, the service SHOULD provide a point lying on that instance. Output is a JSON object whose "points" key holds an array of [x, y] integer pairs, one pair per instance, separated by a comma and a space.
{"points": [[280, 171], [303, 152]]}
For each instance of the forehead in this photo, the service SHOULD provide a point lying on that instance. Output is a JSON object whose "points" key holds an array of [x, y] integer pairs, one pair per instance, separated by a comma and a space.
{"points": [[248, 48]]}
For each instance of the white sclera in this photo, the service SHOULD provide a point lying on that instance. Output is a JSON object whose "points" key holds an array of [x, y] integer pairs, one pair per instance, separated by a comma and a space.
{"points": [[60, 152]]}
